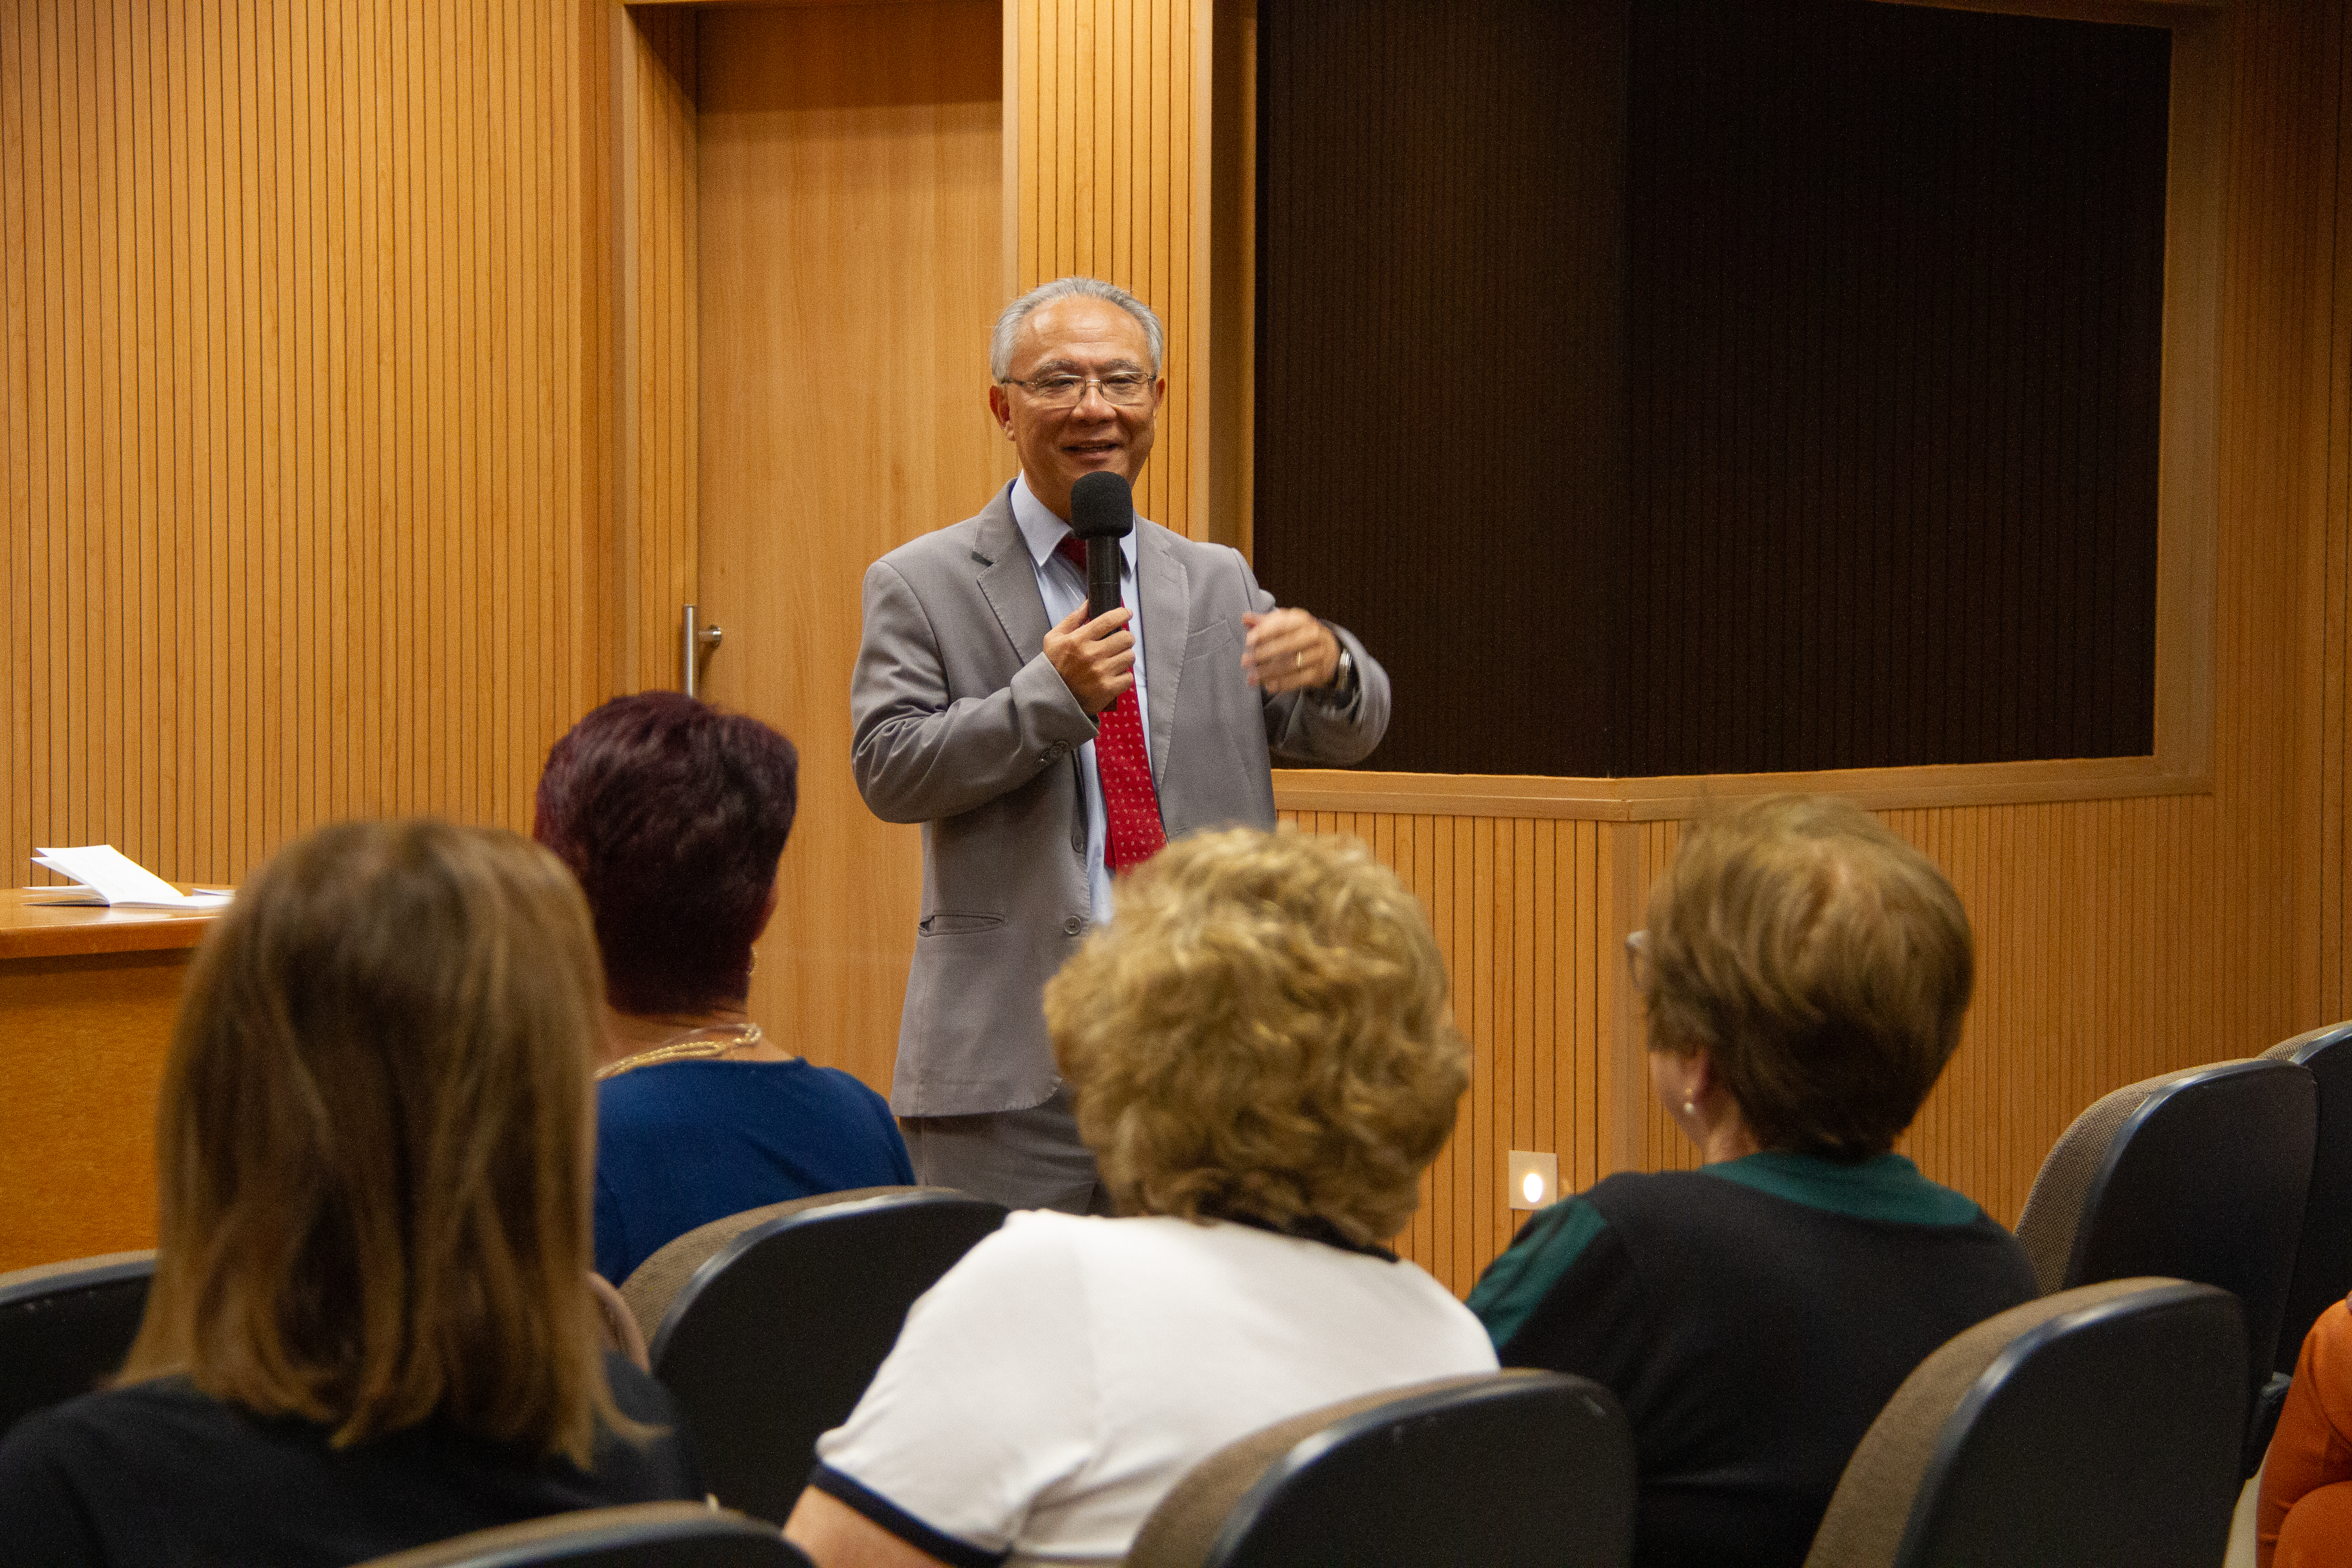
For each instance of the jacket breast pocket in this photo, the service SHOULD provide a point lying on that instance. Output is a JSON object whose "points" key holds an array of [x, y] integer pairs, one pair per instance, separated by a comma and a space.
{"points": [[944, 924], [1205, 641]]}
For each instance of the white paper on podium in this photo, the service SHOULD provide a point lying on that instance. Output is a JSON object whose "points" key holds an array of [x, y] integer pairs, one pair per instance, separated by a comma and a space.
{"points": [[110, 876]]}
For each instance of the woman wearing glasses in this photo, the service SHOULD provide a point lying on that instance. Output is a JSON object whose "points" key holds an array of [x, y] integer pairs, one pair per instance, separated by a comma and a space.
{"points": [[1804, 975]]}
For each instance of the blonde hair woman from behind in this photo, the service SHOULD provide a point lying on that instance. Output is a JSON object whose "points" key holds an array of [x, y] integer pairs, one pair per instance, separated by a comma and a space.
{"points": [[370, 1327], [1263, 1062]]}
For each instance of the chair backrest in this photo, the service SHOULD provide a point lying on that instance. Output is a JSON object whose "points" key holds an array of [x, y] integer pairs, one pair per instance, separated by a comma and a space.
{"points": [[1532, 1468], [2198, 1174], [2323, 1259], [65, 1326], [655, 1284], [2097, 1427], [780, 1326], [617, 1323], [643, 1535]]}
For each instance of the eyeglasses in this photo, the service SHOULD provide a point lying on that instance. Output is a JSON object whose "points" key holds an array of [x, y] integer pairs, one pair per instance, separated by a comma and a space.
{"points": [[1123, 389]]}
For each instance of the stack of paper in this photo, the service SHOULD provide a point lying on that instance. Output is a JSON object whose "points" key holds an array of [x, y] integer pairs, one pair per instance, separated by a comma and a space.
{"points": [[110, 876]]}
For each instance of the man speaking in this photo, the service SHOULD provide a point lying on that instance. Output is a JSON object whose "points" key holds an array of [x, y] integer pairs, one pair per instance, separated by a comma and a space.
{"points": [[1045, 751]]}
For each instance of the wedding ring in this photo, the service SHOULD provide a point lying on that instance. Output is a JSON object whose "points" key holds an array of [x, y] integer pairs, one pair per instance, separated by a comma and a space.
{"points": [[1299, 660]]}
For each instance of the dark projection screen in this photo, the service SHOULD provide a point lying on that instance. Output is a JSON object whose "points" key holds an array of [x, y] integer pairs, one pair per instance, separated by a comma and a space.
{"points": [[1726, 386]]}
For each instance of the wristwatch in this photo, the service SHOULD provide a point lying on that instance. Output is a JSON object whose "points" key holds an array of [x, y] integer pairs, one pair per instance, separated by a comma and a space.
{"points": [[1339, 691]]}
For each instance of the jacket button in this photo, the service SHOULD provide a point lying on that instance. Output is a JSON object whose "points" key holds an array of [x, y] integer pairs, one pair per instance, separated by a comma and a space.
{"points": [[1073, 926], [1060, 749]]}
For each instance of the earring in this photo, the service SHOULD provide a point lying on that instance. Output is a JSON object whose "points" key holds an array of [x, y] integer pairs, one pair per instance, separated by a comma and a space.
{"points": [[1690, 1108]]}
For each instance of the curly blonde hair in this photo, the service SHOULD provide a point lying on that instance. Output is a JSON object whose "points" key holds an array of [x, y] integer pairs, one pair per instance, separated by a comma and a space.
{"points": [[1262, 1032]]}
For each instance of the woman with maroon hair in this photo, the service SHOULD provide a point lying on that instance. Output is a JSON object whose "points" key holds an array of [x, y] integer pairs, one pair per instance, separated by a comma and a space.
{"points": [[673, 816]]}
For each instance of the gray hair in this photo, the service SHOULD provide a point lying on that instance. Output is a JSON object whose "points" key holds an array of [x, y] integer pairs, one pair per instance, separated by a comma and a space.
{"points": [[1008, 325]]}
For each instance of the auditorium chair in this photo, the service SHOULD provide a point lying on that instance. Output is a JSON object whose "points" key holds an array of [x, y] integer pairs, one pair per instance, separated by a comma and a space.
{"points": [[618, 1325], [768, 1325], [643, 1535], [2197, 1175], [1532, 1468], [2323, 1258], [65, 1326], [2096, 1428]]}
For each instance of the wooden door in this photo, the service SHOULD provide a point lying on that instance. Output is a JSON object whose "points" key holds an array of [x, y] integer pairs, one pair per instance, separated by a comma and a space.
{"points": [[850, 176]]}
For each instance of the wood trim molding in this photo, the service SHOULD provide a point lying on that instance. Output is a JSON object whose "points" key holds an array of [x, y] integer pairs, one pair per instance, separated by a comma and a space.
{"points": [[1015, 95], [2129, 13], [1680, 797], [1624, 1061], [2188, 497]]}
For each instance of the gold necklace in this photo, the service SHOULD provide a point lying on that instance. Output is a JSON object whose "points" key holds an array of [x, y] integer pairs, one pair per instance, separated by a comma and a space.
{"points": [[685, 1046]]}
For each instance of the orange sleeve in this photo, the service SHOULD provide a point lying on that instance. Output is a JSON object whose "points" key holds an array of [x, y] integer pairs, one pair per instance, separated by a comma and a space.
{"points": [[2313, 1445]]}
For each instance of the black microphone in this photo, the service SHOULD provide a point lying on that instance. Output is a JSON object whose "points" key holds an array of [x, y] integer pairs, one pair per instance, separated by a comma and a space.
{"points": [[1102, 513]]}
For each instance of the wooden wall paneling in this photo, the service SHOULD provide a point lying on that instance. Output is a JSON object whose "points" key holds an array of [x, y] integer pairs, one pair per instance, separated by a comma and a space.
{"points": [[2287, 141], [1516, 920], [309, 415], [1230, 342], [16, 739], [309, 374], [2333, 688], [1516, 904], [81, 1180], [1582, 1032], [1662, 1147], [1464, 882], [659, 369], [430, 64], [25, 737], [1109, 107], [2312, 107]]}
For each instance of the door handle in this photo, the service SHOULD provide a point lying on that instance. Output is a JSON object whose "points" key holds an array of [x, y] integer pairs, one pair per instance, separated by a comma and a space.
{"points": [[695, 643]]}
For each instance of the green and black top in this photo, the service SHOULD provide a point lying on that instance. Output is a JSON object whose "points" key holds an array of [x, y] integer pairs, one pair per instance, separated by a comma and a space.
{"points": [[1752, 1317]]}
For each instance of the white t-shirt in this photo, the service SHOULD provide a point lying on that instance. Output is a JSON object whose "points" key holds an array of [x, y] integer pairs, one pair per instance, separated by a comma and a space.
{"points": [[1050, 1389]]}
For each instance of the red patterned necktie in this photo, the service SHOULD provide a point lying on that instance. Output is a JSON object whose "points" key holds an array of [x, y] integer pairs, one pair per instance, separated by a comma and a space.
{"points": [[1132, 833]]}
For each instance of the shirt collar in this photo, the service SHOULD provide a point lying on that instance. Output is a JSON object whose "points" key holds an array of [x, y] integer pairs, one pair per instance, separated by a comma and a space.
{"points": [[1884, 1187], [1042, 531]]}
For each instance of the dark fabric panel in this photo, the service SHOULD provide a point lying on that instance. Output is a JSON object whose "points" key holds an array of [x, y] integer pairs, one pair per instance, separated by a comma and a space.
{"points": [[1896, 292], [1440, 425], [1724, 386]]}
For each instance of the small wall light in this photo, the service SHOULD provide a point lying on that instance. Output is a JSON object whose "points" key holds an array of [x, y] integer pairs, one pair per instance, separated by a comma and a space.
{"points": [[1533, 1180]]}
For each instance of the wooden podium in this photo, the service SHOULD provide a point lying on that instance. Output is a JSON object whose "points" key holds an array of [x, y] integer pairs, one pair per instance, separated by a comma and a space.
{"points": [[88, 998]]}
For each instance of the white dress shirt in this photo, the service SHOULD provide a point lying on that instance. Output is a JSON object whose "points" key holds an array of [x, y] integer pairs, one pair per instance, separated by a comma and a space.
{"points": [[1064, 588]]}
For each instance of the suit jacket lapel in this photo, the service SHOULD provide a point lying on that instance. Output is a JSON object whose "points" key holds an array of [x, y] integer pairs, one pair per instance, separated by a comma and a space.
{"points": [[1164, 588], [1008, 578]]}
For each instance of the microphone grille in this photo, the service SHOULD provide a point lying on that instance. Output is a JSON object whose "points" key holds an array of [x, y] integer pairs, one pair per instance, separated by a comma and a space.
{"points": [[1102, 506]]}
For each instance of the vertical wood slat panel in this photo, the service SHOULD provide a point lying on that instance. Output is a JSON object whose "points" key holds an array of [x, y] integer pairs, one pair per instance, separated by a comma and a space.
{"points": [[1511, 903], [2076, 905], [1113, 182], [307, 410], [666, 367], [2324, 691]]}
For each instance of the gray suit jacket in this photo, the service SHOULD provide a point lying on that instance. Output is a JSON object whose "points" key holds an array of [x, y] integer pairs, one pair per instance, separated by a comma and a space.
{"points": [[960, 725]]}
